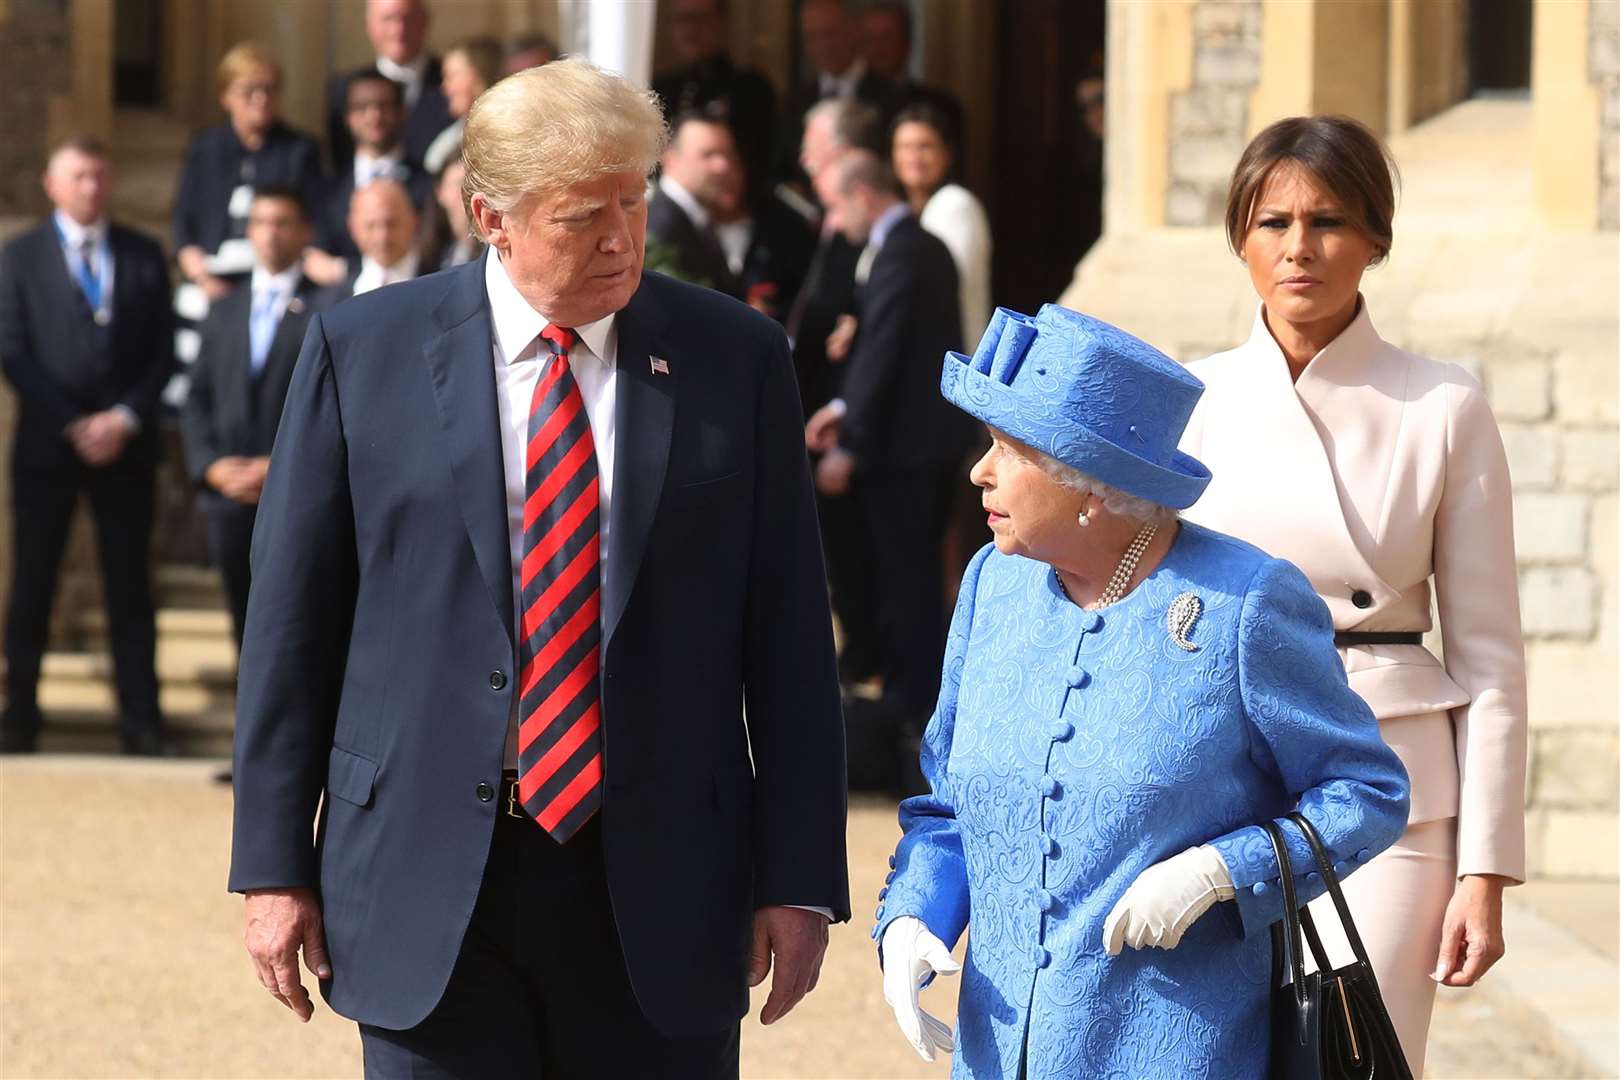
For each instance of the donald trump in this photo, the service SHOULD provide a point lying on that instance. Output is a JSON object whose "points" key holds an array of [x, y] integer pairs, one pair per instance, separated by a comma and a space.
{"points": [[539, 643]]}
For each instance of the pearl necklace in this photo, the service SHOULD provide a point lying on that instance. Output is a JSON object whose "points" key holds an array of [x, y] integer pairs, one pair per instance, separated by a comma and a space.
{"points": [[1121, 579]]}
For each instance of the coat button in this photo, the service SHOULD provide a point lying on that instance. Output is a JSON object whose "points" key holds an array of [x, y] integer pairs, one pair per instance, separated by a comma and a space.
{"points": [[1260, 888], [485, 792], [1341, 868], [1049, 786], [497, 680], [1363, 855], [891, 862], [1078, 676], [1061, 730], [1090, 620], [1361, 598], [1045, 900], [1042, 957], [1048, 846], [883, 892]]}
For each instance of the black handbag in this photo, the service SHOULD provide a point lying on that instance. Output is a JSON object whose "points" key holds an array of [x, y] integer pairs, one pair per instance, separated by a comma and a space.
{"points": [[1330, 1024]]}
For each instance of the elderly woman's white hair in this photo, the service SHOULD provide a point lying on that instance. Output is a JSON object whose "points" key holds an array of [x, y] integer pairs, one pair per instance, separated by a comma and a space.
{"points": [[1116, 502], [549, 127]]}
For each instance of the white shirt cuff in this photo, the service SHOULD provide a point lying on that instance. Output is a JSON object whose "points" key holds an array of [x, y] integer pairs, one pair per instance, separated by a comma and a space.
{"points": [[825, 913], [131, 421]]}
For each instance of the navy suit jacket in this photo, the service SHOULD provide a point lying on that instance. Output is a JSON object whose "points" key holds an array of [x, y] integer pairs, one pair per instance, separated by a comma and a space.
{"points": [[378, 663], [62, 365], [229, 412]]}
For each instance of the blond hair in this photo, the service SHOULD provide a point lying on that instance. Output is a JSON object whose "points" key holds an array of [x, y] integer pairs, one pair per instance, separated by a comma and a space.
{"points": [[548, 128], [243, 58]]}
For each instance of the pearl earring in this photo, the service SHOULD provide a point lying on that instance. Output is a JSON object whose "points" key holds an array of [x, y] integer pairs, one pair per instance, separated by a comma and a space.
{"points": [[1084, 519]]}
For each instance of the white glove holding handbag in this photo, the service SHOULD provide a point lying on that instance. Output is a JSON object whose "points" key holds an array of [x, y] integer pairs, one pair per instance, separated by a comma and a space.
{"points": [[1166, 899], [910, 954]]}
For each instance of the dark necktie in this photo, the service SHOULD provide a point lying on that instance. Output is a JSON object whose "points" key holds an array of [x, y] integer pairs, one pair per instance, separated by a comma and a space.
{"points": [[559, 704]]}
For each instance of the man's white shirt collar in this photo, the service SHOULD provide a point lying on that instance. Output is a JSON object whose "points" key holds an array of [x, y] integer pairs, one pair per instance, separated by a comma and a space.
{"points": [[518, 325], [285, 283], [405, 73], [843, 85], [685, 200], [374, 275], [73, 234], [367, 167]]}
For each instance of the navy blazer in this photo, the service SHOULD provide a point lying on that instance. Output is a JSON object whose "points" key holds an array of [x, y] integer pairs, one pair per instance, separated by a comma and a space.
{"points": [[378, 662], [228, 412], [62, 365], [217, 163], [908, 318]]}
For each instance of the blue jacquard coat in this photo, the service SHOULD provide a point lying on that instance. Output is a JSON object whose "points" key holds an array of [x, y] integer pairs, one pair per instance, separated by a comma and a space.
{"points": [[1071, 750]]}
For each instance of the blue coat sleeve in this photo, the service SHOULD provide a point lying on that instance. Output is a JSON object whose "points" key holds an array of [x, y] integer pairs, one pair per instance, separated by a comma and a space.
{"points": [[1310, 730], [928, 874]]}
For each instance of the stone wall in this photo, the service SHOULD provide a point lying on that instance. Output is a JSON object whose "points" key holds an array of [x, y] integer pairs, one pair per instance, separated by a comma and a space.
{"points": [[1209, 121], [35, 47], [1603, 59]]}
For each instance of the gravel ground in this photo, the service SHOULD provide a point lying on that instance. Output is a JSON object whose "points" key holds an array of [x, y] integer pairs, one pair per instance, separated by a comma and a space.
{"points": [[120, 951]]}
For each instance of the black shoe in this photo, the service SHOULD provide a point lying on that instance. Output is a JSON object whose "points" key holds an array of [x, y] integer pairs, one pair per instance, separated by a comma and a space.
{"points": [[149, 743]]}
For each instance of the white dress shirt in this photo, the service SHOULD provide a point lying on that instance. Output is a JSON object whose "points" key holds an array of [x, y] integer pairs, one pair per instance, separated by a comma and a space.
{"points": [[410, 76], [389, 166], [374, 275], [520, 357], [842, 86], [285, 284]]}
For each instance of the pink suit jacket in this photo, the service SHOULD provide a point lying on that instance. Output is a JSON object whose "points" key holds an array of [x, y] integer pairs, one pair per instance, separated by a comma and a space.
{"points": [[1374, 473]]}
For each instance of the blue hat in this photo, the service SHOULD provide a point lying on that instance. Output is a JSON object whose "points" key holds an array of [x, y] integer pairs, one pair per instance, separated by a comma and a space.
{"points": [[1085, 393]]}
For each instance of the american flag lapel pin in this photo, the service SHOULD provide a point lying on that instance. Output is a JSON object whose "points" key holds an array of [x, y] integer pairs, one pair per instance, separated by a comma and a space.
{"points": [[660, 366]]}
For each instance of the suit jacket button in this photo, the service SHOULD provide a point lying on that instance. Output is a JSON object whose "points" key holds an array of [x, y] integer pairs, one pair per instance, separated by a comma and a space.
{"points": [[485, 792], [497, 680], [1361, 598]]}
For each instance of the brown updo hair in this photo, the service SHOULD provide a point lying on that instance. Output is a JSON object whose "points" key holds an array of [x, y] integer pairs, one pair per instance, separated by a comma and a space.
{"points": [[1341, 154]]}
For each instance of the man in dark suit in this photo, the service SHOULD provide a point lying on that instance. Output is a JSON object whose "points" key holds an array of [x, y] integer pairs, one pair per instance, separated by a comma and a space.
{"points": [[376, 109], [707, 76], [698, 174], [87, 342], [827, 30], [890, 436], [886, 43], [538, 605], [398, 32], [239, 383]]}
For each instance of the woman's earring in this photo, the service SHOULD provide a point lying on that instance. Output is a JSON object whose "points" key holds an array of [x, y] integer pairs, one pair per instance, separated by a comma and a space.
{"points": [[1084, 519]]}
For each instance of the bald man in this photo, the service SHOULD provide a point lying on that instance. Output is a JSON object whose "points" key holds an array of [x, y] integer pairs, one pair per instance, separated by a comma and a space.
{"points": [[382, 223], [398, 33], [86, 341]]}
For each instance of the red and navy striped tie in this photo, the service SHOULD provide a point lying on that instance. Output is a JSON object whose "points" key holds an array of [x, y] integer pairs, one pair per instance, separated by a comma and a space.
{"points": [[559, 704]]}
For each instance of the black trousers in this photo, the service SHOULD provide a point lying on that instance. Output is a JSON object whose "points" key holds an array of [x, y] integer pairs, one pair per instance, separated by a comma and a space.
{"points": [[906, 512], [121, 501], [230, 539], [540, 988], [846, 544]]}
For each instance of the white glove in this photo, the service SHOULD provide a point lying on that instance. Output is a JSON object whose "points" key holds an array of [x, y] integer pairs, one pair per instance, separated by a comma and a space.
{"points": [[1167, 898], [910, 954]]}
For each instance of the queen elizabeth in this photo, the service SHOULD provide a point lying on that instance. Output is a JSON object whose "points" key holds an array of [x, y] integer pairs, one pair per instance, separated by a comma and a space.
{"points": [[1125, 698]]}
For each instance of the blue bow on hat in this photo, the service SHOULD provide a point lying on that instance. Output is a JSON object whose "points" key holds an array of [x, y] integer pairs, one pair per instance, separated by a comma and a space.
{"points": [[1087, 394]]}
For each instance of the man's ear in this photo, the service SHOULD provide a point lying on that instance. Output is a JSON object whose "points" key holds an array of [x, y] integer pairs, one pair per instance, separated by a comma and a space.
{"points": [[488, 222]]}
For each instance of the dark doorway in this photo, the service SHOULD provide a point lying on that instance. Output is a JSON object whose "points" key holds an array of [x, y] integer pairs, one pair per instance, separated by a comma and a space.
{"points": [[137, 52], [1046, 200], [1499, 45]]}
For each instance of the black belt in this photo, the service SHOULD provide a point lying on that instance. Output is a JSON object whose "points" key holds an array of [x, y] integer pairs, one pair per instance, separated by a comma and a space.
{"points": [[1351, 638]]}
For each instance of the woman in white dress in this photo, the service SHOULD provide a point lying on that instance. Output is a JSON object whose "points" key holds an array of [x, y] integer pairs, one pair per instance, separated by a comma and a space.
{"points": [[922, 148]]}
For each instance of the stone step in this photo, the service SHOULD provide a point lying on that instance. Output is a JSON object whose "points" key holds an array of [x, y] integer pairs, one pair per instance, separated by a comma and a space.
{"points": [[206, 662], [70, 732], [180, 586], [192, 624], [192, 705]]}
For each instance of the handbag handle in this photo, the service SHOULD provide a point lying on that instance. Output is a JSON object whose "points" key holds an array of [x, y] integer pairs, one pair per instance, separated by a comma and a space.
{"points": [[1324, 866], [1290, 927]]}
